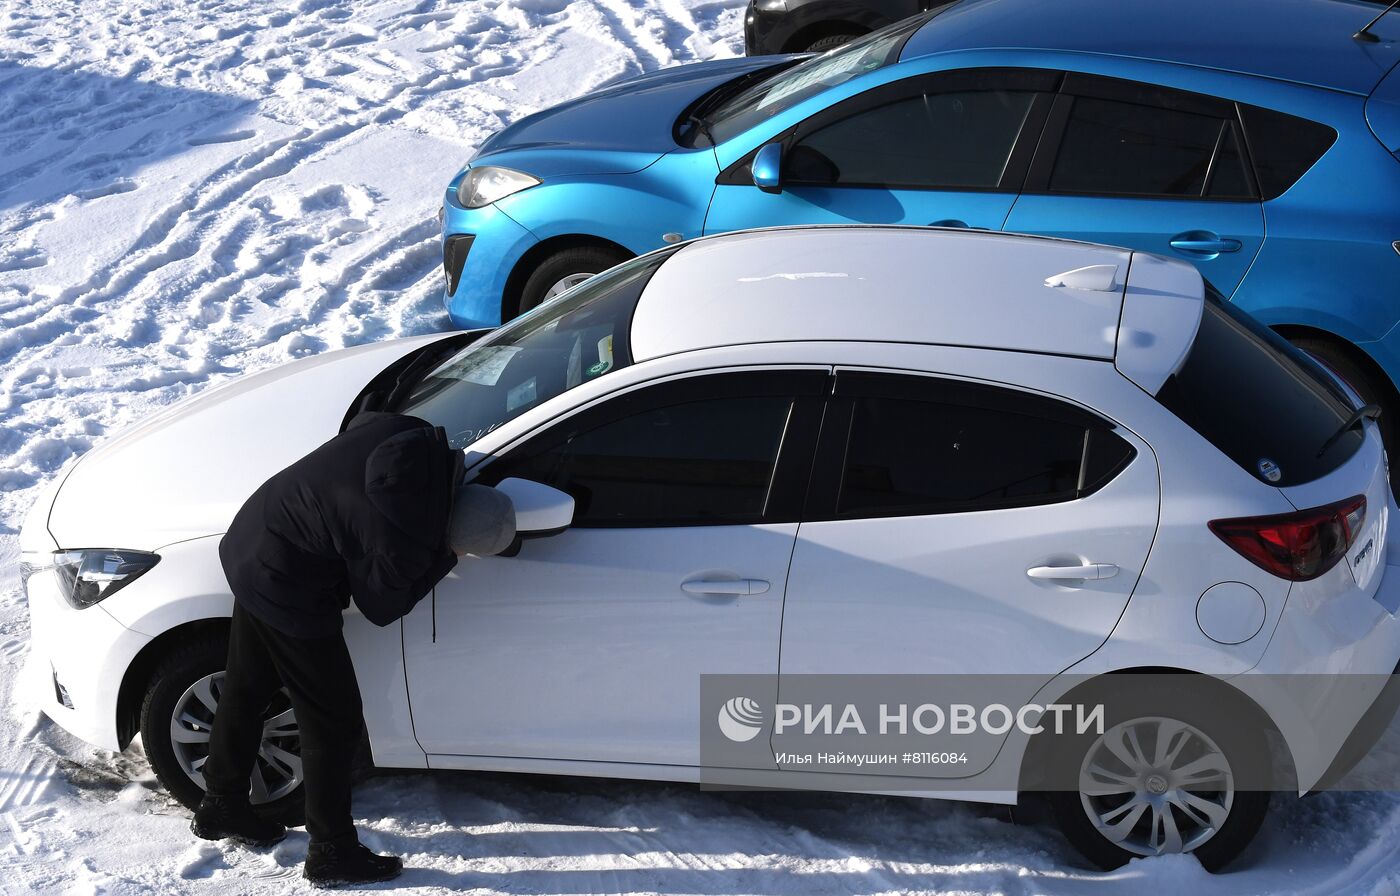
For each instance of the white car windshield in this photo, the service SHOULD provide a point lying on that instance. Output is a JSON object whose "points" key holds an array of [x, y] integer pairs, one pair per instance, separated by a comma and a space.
{"points": [[577, 337]]}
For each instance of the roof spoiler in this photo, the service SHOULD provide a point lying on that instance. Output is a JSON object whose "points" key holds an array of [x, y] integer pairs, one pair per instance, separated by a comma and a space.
{"points": [[1162, 305]]}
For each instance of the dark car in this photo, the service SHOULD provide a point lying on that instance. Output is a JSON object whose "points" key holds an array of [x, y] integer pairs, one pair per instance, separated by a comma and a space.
{"points": [[815, 26]]}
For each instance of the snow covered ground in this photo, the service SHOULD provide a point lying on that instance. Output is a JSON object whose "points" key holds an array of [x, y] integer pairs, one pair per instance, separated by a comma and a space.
{"points": [[193, 190]]}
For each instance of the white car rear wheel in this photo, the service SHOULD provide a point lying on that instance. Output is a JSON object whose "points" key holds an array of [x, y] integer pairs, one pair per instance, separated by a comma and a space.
{"points": [[1180, 767]]}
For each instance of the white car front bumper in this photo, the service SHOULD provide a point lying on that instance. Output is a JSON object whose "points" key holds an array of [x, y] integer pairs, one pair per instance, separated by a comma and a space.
{"points": [[81, 655]]}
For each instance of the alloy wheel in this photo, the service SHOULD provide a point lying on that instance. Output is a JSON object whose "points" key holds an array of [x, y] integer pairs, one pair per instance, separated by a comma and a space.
{"points": [[277, 771], [564, 284]]}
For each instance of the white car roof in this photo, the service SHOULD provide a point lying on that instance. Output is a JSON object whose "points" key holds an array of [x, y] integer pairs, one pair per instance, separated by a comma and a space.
{"points": [[923, 285]]}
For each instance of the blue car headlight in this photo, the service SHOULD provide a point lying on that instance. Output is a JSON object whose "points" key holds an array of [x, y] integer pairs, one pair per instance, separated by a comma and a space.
{"points": [[489, 183], [88, 576]]}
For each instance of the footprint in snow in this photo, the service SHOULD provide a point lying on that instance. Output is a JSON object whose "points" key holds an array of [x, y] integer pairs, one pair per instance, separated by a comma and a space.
{"points": [[113, 189], [230, 137], [201, 861]]}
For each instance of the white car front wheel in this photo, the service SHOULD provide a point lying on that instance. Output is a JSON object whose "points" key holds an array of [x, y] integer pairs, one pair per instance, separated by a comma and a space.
{"points": [[177, 718]]}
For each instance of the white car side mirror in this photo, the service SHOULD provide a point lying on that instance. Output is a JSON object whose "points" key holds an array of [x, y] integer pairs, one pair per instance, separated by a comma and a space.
{"points": [[540, 509]]}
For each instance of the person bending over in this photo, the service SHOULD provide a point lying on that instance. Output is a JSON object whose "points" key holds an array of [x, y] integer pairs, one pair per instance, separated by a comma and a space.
{"points": [[376, 514]]}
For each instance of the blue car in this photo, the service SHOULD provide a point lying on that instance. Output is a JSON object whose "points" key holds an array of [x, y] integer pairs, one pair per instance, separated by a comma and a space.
{"points": [[1258, 138]]}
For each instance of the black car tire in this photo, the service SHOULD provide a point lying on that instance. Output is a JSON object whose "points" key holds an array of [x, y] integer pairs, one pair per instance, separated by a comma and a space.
{"points": [[830, 42], [566, 263], [1244, 746], [184, 666]]}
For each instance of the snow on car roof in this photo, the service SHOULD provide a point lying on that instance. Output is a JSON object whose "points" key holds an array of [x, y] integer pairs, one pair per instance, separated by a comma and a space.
{"points": [[883, 284]]}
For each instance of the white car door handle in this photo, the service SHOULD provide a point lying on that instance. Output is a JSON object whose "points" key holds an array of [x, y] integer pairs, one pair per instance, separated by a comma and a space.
{"points": [[725, 586], [1087, 571]]}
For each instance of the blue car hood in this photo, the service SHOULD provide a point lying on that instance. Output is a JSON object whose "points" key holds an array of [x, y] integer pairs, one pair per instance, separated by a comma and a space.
{"points": [[617, 130]]}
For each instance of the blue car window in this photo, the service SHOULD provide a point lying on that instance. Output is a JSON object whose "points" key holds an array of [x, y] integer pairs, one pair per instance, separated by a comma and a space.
{"points": [[791, 86], [1229, 177], [1112, 147], [1283, 146], [954, 139], [567, 341]]}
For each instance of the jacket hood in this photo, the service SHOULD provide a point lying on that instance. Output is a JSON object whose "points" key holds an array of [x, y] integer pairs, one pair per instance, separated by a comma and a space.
{"points": [[410, 478], [184, 472], [617, 130]]}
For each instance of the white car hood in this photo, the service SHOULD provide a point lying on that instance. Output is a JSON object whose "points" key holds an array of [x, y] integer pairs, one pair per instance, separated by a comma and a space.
{"points": [[184, 472]]}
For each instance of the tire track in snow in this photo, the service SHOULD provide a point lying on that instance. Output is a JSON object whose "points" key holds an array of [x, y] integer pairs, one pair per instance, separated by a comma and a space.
{"points": [[25, 785]]}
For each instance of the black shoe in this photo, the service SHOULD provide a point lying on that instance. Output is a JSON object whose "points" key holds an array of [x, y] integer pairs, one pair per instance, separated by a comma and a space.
{"points": [[339, 864], [221, 819]]}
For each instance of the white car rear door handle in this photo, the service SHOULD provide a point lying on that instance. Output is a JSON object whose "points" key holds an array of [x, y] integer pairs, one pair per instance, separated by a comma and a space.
{"points": [[1087, 571], [725, 586]]}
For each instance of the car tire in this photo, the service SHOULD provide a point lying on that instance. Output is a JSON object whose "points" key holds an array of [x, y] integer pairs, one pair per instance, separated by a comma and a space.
{"points": [[168, 688], [1371, 388], [830, 42], [565, 268], [1244, 747]]}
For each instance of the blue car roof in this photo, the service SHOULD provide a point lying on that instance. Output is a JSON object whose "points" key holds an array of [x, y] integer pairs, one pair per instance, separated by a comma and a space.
{"points": [[1305, 41]]}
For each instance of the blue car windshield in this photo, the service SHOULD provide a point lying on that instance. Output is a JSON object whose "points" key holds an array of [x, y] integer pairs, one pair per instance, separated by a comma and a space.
{"points": [[791, 86], [572, 339]]}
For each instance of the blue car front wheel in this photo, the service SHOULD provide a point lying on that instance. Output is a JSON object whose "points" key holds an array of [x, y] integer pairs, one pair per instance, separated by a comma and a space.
{"points": [[564, 270]]}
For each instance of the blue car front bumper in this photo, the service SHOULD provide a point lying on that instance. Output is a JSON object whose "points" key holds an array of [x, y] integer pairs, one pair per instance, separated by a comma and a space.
{"points": [[498, 245]]}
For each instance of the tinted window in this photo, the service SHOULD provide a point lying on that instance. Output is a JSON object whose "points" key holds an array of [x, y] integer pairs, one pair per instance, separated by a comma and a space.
{"points": [[1229, 178], [1131, 149], [1257, 398], [960, 139], [577, 337], [907, 456], [698, 463], [1283, 147]]}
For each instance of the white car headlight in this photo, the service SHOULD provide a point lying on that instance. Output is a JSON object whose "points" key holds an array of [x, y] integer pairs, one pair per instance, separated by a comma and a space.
{"points": [[88, 576], [487, 184]]}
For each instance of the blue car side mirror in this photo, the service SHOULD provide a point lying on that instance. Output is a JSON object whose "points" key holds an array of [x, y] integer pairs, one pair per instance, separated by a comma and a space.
{"points": [[768, 168]]}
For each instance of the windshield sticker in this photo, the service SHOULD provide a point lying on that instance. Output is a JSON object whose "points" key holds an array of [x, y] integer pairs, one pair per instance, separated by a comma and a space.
{"points": [[521, 395], [483, 366], [605, 356]]}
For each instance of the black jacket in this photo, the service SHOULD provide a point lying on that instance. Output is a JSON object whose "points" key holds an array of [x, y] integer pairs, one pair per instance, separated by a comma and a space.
{"points": [[366, 514]]}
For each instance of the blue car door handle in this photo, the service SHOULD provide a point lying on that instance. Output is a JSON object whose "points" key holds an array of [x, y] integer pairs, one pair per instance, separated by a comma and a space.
{"points": [[1203, 243]]}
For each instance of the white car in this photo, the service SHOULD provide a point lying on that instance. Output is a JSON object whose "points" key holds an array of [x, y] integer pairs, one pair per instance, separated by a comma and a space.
{"points": [[794, 452]]}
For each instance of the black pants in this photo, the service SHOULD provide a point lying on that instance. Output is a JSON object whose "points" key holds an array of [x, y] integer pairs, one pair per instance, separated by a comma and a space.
{"points": [[321, 682]]}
